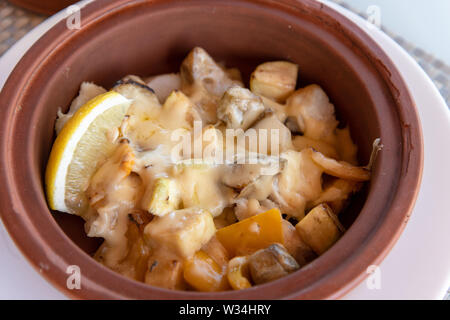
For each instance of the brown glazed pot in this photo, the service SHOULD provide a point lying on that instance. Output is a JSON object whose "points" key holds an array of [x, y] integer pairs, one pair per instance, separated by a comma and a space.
{"points": [[121, 37], [47, 7]]}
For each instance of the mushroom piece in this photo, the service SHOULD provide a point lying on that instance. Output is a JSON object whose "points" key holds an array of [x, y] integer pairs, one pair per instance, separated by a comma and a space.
{"points": [[239, 108], [271, 263], [240, 175]]}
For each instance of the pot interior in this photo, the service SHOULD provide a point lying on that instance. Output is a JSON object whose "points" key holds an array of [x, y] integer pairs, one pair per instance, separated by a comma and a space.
{"points": [[153, 37]]}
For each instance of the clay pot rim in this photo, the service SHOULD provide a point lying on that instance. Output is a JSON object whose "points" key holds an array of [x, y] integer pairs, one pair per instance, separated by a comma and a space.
{"points": [[345, 277]]}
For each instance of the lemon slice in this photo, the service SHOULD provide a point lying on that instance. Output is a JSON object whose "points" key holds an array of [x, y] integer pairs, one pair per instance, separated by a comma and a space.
{"points": [[81, 144]]}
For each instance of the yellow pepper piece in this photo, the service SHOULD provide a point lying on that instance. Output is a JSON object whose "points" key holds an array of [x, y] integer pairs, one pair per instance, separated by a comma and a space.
{"points": [[252, 234], [204, 274]]}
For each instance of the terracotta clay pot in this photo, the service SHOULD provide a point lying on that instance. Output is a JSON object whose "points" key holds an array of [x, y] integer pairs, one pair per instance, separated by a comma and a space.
{"points": [[121, 37], [46, 7]]}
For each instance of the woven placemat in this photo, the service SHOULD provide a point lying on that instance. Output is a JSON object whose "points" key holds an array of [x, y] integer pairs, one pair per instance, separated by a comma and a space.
{"points": [[16, 22]]}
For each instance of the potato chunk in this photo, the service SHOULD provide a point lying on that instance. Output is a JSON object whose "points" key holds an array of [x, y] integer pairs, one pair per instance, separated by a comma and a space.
{"points": [[165, 197], [182, 232], [239, 108], [271, 263], [320, 228], [275, 80]]}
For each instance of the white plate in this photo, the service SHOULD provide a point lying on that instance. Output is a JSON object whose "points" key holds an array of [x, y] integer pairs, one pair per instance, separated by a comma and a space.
{"points": [[418, 267]]}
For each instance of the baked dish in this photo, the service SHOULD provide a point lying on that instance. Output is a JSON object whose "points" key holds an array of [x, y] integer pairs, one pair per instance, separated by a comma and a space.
{"points": [[197, 183]]}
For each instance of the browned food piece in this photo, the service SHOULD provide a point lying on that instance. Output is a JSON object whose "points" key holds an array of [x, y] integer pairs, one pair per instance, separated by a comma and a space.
{"points": [[204, 274], [302, 142], [314, 113], [271, 263], [239, 108], [199, 67], [275, 80], [142, 95], [337, 193], [320, 228], [165, 273], [226, 218], [137, 258], [295, 245], [164, 84], [181, 232], [205, 81], [110, 174], [88, 91], [239, 175], [217, 252], [299, 182], [339, 169]]}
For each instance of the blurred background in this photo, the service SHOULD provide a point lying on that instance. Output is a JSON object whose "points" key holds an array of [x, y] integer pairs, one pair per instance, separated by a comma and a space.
{"points": [[424, 23], [421, 27]]}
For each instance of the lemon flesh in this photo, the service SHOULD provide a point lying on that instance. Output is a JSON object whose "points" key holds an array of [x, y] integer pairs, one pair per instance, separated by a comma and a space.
{"points": [[82, 143]]}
